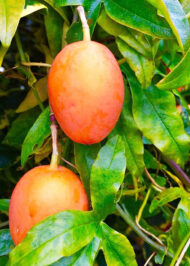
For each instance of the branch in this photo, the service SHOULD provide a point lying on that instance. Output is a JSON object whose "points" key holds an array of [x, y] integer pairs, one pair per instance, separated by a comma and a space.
{"points": [[128, 219]]}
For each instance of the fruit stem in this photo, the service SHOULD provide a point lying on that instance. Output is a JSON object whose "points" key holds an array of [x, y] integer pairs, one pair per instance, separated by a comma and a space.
{"points": [[85, 27], [55, 154]]}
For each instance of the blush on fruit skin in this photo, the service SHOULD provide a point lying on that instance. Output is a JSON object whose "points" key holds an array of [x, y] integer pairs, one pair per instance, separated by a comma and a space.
{"points": [[86, 91], [42, 192]]}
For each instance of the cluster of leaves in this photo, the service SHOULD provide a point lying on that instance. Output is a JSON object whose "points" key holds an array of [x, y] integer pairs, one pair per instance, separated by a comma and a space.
{"points": [[147, 37]]}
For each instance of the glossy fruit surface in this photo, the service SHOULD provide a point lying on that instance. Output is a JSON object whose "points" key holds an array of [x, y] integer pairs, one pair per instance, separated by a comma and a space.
{"points": [[42, 192], [86, 91]]}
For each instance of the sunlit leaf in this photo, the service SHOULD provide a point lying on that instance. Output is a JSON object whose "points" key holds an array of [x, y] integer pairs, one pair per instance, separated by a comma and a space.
{"points": [[117, 248], [176, 18], [142, 66], [107, 175], [156, 116], [10, 13], [85, 256], [179, 76], [59, 235], [138, 15]]}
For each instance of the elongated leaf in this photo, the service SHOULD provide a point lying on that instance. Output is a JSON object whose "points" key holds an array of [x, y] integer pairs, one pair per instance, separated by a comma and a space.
{"points": [[59, 235], [54, 30], [166, 196], [29, 9], [84, 158], [20, 127], [85, 256], [68, 2], [10, 13], [107, 175], [181, 223], [178, 77], [176, 18], [127, 128], [36, 135], [156, 116], [4, 205], [138, 15], [116, 247], [142, 66], [5, 242], [127, 35]]}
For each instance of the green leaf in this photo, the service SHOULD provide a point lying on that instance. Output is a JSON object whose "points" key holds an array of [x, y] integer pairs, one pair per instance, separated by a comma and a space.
{"points": [[107, 175], [36, 135], [131, 37], [181, 222], [5, 242], [4, 205], [85, 256], [166, 196], [84, 158], [20, 127], [178, 77], [156, 116], [142, 66], [59, 235], [176, 18], [3, 51], [74, 33], [127, 128], [4, 260], [54, 30], [150, 161], [10, 13], [68, 2], [138, 15], [116, 247]]}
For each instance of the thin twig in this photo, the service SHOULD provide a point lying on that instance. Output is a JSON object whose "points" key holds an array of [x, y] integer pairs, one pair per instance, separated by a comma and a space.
{"points": [[178, 171], [72, 165], [139, 215], [148, 233], [183, 253], [3, 224], [129, 220], [149, 259], [152, 180], [39, 64]]}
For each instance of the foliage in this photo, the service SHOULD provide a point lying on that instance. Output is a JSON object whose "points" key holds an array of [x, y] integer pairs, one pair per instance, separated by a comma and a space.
{"points": [[137, 179]]}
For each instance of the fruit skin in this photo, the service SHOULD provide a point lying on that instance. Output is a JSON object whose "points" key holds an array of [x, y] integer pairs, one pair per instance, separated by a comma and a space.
{"points": [[86, 91], [42, 192]]}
